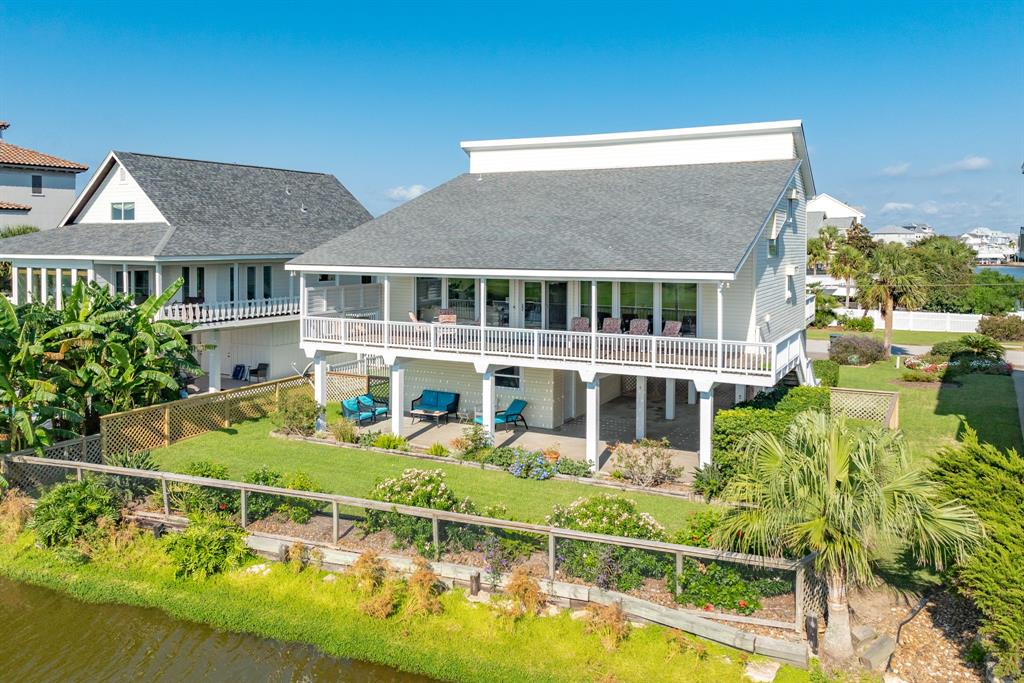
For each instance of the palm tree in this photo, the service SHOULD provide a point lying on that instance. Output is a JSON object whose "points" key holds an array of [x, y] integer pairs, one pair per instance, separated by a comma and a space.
{"points": [[850, 495], [892, 279], [846, 263], [829, 236]]}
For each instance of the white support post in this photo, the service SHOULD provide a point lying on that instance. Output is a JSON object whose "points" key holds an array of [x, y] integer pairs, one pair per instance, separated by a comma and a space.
{"points": [[90, 275], [741, 393], [488, 402], [670, 399], [158, 279], [213, 366], [658, 324], [691, 392], [291, 284], [397, 397], [58, 282], [303, 308], [641, 407], [387, 313], [593, 422], [320, 379], [14, 284], [593, 321], [74, 276], [124, 279], [707, 411], [718, 313], [482, 289]]}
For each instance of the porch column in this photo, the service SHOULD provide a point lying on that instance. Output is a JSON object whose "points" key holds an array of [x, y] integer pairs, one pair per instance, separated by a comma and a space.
{"points": [[397, 397], [641, 407], [482, 302], [213, 366], [670, 399], [593, 323], [90, 275], [59, 284], [42, 285], [158, 279], [320, 379], [487, 391], [593, 422], [236, 277], [691, 392], [718, 313], [14, 284], [387, 314], [741, 393], [124, 279], [303, 308], [657, 310], [707, 411]]}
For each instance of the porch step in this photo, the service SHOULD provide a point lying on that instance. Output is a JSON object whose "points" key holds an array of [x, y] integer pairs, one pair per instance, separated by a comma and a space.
{"points": [[790, 380]]}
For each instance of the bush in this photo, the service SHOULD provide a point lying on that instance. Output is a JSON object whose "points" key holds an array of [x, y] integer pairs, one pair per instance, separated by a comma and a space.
{"points": [[300, 510], [609, 566], [260, 505], [69, 511], [709, 481], [647, 462], [856, 349], [699, 528], [949, 348], [391, 442], [573, 468], [192, 499], [827, 372], [473, 439], [712, 585], [982, 345], [991, 483], [854, 324], [129, 489], [1002, 327], [915, 375], [344, 430], [531, 465], [297, 413], [503, 456], [418, 488], [208, 546], [439, 449]]}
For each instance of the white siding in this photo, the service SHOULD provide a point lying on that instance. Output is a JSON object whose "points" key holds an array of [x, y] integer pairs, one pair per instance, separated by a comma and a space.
{"points": [[113, 189], [403, 297], [783, 316], [276, 344], [738, 304]]}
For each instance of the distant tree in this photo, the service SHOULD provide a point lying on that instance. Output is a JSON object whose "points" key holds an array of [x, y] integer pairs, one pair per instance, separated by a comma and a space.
{"points": [[992, 293], [893, 279], [846, 264], [817, 255], [947, 265], [858, 237]]}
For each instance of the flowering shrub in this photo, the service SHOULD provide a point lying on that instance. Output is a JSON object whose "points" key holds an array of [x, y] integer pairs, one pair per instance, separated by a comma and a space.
{"points": [[531, 465], [856, 349], [189, 498], [608, 566], [418, 488], [647, 462], [573, 468], [699, 528], [1002, 327], [962, 362], [712, 586]]}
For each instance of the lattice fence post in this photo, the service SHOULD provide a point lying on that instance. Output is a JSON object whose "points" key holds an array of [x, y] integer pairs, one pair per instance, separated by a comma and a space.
{"points": [[227, 413], [167, 425]]}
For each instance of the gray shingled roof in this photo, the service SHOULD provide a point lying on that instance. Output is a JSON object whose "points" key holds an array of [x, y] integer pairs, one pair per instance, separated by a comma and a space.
{"points": [[698, 218], [213, 209]]}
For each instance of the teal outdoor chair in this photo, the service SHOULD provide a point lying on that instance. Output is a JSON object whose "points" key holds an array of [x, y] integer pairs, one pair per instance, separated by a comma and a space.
{"points": [[369, 403], [510, 416], [352, 410]]}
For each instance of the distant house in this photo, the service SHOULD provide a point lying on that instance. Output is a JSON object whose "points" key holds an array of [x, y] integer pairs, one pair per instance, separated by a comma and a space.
{"points": [[903, 234], [992, 246], [825, 210], [35, 188], [226, 229]]}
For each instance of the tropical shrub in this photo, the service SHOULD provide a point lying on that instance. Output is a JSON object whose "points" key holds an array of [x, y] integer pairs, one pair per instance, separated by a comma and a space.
{"points": [[827, 372], [647, 462], [300, 510], [209, 545], [713, 585], [991, 483], [392, 442], [129, 489], [709, 480], [857, 324], [69, 511], [856, 349], [418, 488], [297, 413], [193, 499], [439, 449], [608, 566], [949, 348], [260, 505], [344, 430], [503, 456], [573, 468], [1002, 327], [982, 345], [531, 465]]}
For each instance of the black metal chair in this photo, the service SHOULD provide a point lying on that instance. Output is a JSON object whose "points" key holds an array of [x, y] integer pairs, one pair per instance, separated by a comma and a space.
{"points": [[259, 372]]}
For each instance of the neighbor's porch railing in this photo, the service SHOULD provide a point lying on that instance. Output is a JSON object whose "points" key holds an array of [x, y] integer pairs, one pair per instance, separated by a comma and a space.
{"points": [[224, 311], [685, 353]]}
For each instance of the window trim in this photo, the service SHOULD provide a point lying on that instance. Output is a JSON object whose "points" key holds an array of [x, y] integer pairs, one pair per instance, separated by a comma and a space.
{"points": [[516, 376], [122, 207]]}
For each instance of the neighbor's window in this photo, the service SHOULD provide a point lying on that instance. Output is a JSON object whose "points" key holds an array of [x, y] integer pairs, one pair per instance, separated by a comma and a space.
{"points": [[185, 293], [37, 184], [268, 289], [510, 378], [122, 211]]}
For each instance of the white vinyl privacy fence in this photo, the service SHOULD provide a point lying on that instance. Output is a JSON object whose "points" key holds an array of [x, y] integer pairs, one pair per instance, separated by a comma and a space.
{"points": [[922, 321]]}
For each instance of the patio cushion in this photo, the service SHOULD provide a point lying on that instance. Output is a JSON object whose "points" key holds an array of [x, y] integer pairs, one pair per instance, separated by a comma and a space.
{"points": [[431, 399]]}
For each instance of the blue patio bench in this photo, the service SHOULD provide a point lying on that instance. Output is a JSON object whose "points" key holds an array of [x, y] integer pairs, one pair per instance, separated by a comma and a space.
{"points": [[510, 416], [353, 410], [435, 405]]}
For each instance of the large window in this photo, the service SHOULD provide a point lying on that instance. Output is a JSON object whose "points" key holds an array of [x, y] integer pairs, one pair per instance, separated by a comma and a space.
{"points": [[679, 302], [557, 305], [268, 282], [509, 378], [140, 285], [604, 301], [462, 297], [636, 300], [428, 298], [122, 211], [200, 284]]}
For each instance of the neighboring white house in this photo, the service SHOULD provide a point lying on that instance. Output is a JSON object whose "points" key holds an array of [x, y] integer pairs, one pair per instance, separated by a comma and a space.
{"points": [[227, 229], [903, 234], [991, 246], [824, 210], [574, 265], [35, 189]]}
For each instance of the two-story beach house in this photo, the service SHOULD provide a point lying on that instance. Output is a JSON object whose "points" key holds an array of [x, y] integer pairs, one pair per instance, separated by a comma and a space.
{"points": [[568, 271], [226, 229]]}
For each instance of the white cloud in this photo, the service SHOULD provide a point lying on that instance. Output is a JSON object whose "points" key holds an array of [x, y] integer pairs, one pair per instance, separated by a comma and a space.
{"points": [[968, 163], [404, 193], [929, 207], [896, 207], [897, 169]]}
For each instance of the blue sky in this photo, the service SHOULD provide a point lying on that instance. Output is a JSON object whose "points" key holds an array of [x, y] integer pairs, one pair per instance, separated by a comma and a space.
{"points": [[912, 110]]}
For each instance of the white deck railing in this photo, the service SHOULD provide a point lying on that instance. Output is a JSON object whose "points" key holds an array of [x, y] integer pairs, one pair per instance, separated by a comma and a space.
{"points": [[683, 353], [226, 311]]}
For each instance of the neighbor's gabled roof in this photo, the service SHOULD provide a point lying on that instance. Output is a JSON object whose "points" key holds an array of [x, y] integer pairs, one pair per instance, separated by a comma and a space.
{"points": [[13, 155], [211, 209], [686, 218]]}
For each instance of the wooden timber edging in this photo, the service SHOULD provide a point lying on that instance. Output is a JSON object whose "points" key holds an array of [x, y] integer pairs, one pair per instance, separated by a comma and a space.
{"points": [[601, 480]]}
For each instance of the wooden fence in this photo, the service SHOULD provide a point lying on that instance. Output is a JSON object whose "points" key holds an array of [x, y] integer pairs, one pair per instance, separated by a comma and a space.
{"points": [[163, 424], [882, 407]]}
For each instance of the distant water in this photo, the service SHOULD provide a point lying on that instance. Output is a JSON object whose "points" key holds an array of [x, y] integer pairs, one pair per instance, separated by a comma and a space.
{"points": [[1016, 271]]}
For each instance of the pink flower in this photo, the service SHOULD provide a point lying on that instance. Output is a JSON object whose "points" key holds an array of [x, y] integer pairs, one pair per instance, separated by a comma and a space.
{"points": [[708, 607]]}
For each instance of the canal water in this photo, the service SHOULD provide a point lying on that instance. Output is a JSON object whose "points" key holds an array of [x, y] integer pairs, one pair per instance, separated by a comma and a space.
{"points": [[1016, 271], [49, 636]]}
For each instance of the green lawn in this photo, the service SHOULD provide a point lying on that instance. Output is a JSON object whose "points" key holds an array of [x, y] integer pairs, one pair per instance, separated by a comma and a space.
{"points": [[932, 417], [903, 337], [352, 472]]}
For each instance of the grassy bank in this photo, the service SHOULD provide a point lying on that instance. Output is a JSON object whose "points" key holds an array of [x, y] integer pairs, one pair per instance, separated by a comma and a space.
{"points": [[463, 643], [932, 416], [353, 472]]}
